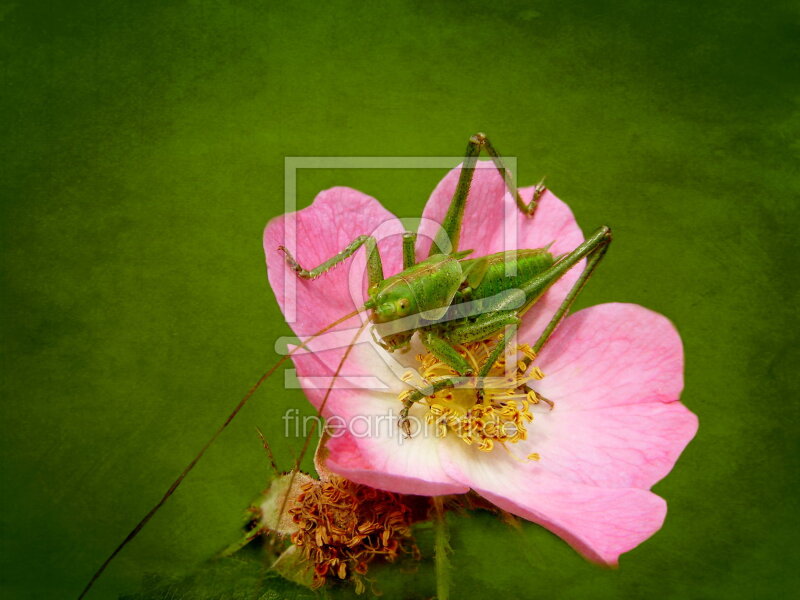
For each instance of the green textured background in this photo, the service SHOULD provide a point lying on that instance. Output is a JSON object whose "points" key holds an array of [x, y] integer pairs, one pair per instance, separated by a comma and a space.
{"points": [[143, 148]]}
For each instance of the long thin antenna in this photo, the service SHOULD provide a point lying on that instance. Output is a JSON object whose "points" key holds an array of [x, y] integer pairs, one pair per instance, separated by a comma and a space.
{"points": [[310, 434], [275, 470], [135, 531]]}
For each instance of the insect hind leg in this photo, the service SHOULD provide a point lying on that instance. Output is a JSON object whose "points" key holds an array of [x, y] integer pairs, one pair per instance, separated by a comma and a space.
{"points": [[409, 250], [450, 232]]}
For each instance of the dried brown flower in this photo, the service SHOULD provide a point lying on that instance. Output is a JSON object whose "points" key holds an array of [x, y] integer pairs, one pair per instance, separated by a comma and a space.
{"points": [[343, 526]]}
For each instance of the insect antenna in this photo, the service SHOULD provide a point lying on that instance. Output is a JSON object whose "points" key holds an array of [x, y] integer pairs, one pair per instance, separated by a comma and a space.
{"points": [[140, 525], [310, 434], [275, 470]]}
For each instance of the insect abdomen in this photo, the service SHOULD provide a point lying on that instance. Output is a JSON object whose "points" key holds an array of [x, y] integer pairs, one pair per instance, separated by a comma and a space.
{"points": [[529, 263]]}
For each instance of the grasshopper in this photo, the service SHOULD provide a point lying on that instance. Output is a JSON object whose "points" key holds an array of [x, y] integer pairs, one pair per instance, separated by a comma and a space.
{"points": [[447, 298]]}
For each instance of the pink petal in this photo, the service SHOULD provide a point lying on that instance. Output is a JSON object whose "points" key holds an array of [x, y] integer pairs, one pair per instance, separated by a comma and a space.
{"points": [[612, 355], [336, 217], [615, 372], [415, 470], [634, 445], [493, 223], [600, 523], [367, 368]]}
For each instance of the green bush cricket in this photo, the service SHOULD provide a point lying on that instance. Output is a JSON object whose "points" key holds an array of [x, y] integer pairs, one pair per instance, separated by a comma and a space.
{"points": [[450, 299], [447, 298]]}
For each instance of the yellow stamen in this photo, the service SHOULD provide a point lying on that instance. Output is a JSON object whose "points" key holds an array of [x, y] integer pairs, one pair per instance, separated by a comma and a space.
{"points": [[500, 414]]}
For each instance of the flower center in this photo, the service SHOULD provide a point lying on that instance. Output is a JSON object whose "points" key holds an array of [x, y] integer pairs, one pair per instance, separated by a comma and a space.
{"points": [[496, 414]]}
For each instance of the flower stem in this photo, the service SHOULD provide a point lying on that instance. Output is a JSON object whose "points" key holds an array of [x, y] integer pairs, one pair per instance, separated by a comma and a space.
{"points": [[441, 550]]}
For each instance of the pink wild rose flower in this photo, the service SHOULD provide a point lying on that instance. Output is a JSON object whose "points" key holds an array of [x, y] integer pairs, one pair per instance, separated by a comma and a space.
{"points": [[614, 373]]}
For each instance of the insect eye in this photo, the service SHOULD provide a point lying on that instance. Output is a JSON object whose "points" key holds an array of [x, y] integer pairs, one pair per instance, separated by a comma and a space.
{"points": [[403, 304]]}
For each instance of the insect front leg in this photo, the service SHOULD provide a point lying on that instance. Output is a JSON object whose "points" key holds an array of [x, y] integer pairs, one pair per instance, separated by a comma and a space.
{"points": [[450, 232], [445, 352], [415, 396], [374, 264], [485, 326]]}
